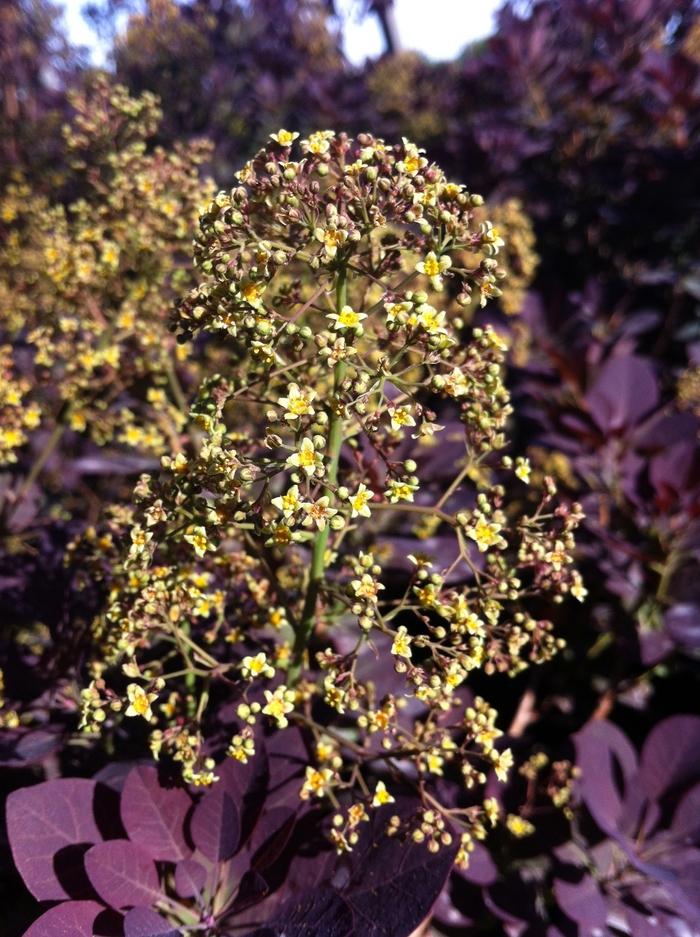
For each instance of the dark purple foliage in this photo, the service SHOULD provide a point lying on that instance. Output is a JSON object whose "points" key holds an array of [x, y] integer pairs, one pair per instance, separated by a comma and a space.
{"points": [[384, 889]]}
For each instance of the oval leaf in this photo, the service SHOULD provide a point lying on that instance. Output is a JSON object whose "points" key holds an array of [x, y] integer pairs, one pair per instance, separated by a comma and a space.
{"points": [[624, 391], [154, 816], [671, 755], [48, 819], [599, 746], [190, 878], [142, 922], [122, 874], [215, 825], [70, 919], [582, 902]]}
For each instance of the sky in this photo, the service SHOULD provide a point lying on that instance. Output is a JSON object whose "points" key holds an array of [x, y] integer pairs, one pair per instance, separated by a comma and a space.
{"points": [[437, 28]]}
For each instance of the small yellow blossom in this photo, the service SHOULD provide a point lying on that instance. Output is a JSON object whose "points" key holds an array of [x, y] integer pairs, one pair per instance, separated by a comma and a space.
{"points": [[394, 310], [347, 318], [257, 666], [400, 491], [306, 458], [503, 764], [284, 137], [278, 705], [288, 503], [197, 537], [400, 417], [518, 826], [485, 533], [332, 238], [318, 512], [297, 403], [316, 782], [523, 469], [413, 162], [401, 646], [139, 702], [430, 320], [492, 810], [433, 268], [242, 748], [381, 795], [359, 502], [578, 590]]}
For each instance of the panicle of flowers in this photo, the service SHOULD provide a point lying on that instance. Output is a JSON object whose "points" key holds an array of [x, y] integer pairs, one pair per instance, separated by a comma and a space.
{"points": [[304, 483]]}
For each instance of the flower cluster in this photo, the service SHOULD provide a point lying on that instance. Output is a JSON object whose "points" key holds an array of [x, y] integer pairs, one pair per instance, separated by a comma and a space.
{"points": [[260, 562], [86, 280]]}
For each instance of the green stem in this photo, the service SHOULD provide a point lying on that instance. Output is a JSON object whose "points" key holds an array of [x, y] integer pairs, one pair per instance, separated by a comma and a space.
{"points": [[43, 457], [318, 557]]}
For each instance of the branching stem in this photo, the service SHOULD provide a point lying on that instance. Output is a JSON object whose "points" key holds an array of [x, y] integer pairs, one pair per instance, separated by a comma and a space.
{"points": [[318, 557]]}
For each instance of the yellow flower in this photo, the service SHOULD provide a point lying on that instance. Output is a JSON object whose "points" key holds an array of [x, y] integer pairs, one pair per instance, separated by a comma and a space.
{"points": [[413, 162], [430, 320], [578, 590], [433, 762], [347, 318], [284, 137], [197, 537], [306, 458], [279, 704], [359, 502], [518, 826], [485, 533], [503, 764], [402, 643], [288, 503], [316, 782], [139, 702], [257, 666], [523, 469], [381, 795], [297, 402], [318, 142], [318, 512], [331, 238], [367, 587], [252, 293], [400, 417], [433, 268], [242, 748], [394, 310], [492, 810], [400, 491]]}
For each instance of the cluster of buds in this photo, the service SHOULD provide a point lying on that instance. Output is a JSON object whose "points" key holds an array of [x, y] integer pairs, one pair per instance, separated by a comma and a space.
{"points": [[297, 505]]}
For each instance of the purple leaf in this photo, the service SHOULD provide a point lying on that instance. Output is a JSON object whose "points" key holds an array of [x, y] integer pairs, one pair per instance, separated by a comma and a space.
{"points": [[582, 902], [142, 922], [190, 878], [48, 819], [624, 391], [20, 748], [318, 912], [215, 825], [481, 869], [599, 746], [154, 816], [122, 874], [394, 884], [671, 755], [69, 919], [686, 819]]}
